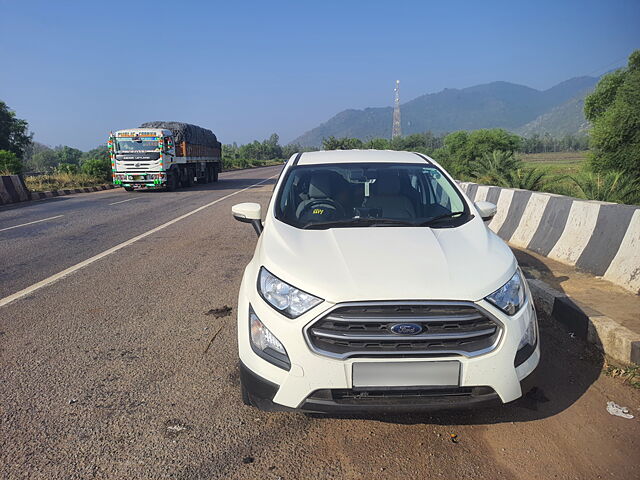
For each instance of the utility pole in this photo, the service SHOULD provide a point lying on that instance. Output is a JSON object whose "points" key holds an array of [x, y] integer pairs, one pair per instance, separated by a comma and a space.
{"points": [[396, 130]]}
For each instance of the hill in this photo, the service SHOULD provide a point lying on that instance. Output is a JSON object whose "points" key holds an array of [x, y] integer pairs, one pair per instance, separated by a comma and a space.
{"points": [[497, 104], [565, 119]]}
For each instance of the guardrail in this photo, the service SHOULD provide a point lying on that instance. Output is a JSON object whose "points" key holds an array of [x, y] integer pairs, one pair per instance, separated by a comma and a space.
{"points": [[597, 237]]}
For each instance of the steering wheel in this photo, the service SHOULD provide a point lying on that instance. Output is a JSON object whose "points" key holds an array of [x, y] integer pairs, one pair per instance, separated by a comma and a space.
{"points": [[319, 203]]}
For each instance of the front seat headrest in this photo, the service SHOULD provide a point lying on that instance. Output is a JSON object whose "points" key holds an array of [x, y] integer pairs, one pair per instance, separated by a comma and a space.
{"points": [[388, 184], [320, 185]]}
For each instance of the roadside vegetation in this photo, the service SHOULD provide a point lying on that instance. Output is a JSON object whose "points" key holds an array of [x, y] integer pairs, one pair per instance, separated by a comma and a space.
{"points": [[61, 181]]}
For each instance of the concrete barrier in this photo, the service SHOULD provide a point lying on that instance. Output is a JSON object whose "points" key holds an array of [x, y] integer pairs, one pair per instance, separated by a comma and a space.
{"points": [[60, 193], [13, 189], [597, 237]]}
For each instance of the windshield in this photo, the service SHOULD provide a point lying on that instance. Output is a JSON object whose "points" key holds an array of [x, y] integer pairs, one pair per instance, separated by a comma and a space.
{"points": [[131, 144], [369, 194]]}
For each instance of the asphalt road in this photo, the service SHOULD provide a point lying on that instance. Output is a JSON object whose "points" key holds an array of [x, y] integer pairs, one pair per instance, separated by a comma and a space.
{"points": [[123, 370]]}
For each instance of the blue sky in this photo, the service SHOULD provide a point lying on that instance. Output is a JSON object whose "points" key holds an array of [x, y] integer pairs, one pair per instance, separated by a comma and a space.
{"points": [[76, 70]]}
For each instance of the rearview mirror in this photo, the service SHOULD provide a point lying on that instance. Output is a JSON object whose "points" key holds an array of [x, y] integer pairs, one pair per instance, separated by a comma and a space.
{"points": [[487, 210], [249, 213]]}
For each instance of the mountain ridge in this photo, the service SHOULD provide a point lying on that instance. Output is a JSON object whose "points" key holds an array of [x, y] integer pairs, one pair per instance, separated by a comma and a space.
{"points": [[497, 104]]}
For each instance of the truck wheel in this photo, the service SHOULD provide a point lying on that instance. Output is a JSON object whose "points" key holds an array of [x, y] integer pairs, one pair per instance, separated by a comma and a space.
{"points": [[128, 189], [215, 174], [172, 182], [188, 181]]}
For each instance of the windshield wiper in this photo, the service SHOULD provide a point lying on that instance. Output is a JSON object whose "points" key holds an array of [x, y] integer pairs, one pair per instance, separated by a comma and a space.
{"points": [[358, 222], [444, 216]]}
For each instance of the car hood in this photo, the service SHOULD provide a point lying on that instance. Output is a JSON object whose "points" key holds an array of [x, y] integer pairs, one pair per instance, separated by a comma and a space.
{"points": [[388, 263]]}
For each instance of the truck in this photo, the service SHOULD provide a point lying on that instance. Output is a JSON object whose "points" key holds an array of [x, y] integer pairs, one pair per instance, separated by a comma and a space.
{"points": [[164, 155]]}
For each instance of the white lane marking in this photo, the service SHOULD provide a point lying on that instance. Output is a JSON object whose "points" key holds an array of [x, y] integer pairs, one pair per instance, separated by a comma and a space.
{"points": [[127, 200], [30, 223], [88, 261]]}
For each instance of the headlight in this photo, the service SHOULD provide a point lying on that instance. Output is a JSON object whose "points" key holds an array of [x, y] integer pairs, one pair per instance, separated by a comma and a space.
{"points": [[285, 298], [265, 344], [510, 297]]}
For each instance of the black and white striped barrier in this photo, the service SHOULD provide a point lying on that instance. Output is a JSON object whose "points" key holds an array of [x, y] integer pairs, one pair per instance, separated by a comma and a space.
{"points": [[59, 193], [597, 237], [13, 189]]}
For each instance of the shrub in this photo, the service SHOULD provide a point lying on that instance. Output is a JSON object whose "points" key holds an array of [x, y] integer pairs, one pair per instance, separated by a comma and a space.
{"points": [[612, 186], [97, 167], [67, 168], [10, 164]]}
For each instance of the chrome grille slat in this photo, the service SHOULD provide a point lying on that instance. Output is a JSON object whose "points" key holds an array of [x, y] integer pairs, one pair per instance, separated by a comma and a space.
{"points": [[428, 336], [364, 329], [409, 318]]}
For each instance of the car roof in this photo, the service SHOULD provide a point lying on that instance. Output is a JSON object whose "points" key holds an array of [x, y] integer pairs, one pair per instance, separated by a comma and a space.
{"points": [[358, 156]]}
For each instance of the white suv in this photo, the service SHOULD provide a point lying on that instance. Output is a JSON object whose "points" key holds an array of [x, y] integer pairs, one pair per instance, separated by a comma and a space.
{"points": [[375, 285]]}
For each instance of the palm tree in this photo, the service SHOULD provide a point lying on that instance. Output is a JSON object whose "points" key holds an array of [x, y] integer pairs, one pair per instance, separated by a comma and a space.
{"points": [[613, 186], [504, 169], [528, 179], [496, 167]]}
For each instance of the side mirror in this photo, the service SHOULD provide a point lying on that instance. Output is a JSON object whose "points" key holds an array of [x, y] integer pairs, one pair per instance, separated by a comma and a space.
{"points": [[487, 210], [249, 213]]}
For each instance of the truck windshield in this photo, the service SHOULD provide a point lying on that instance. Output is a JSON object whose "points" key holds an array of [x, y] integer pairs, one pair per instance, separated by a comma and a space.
{"points": [[129, 144], [369, 195]]}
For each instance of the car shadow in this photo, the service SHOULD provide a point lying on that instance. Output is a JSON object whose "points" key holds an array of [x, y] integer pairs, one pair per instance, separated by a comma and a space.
{"points": [[568, 367]]}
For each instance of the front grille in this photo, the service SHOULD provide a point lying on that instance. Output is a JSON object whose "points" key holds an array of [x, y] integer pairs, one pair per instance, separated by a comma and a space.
{"points": [[366, 330]]}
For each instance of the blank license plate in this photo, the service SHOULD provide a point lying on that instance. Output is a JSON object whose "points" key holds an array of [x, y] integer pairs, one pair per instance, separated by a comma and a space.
{"points": [[406, 374]]}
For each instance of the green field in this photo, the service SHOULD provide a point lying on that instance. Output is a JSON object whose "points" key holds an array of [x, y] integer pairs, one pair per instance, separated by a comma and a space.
{"points": [[556, 163]]}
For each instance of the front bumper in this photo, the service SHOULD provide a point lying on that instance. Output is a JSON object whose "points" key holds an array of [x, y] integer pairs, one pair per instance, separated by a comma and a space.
{"points": [[319, 383], [140, 180], [262, 392]]}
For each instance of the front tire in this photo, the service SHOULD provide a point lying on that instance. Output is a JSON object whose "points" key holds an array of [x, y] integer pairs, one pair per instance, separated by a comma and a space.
{"points": [[172, 182], [129, 189]]}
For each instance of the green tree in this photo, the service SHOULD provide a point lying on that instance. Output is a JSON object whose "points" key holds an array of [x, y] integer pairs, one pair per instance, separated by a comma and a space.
{"points": [[70, 168], [97, 167], [614, 112], [68, 154], [378, 144], [9, 163], [462, 149], [345, 143], [291, 149], [43, 161], [100, 153], [13, 131]]}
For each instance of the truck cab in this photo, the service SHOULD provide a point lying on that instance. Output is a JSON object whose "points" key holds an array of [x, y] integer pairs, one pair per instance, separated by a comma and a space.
{"points": [[151, 158], [141, 157]]}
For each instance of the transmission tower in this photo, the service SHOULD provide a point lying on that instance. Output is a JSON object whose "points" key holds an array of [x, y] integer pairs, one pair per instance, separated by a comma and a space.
{"points": [[396, 131]]}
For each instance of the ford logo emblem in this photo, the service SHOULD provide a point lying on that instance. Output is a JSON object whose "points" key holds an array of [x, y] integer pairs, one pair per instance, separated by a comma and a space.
{"points": [[406, 329]]}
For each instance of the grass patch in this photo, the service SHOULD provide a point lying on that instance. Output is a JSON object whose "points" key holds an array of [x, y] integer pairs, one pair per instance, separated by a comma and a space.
{"points": [[62, 181], [558, 166], [235, 163], [556, 163], [629, 375]]}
